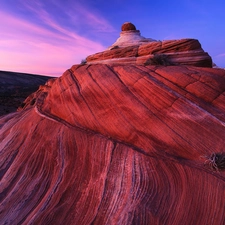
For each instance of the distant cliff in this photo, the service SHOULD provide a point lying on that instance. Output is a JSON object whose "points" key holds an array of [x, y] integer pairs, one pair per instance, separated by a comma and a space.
{"points": [[15, 88]]}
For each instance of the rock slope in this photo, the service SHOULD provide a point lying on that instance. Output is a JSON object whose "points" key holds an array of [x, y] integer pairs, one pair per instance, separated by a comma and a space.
{"points": [[116, 144], [15, 87]]}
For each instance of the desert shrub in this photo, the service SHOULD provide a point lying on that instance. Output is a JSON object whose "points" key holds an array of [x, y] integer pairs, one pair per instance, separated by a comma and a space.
{"points": [[33, 101], [114, 47], [216, 161], [83, 61], [22, 105], [159, 59]]}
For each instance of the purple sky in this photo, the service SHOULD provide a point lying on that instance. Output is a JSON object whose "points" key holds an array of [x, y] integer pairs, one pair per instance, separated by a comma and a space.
{"points": [[49, 36]]}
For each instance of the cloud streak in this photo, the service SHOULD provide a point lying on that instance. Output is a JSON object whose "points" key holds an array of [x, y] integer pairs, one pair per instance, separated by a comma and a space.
{"points": [[74, 13], [221, 55], [47, 46]]}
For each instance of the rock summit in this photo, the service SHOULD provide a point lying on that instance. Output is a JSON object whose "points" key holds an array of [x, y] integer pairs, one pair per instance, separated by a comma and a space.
{"points": [[132, 48], [128, 26]]}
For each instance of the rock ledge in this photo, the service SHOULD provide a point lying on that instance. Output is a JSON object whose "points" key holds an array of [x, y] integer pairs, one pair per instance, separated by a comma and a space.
{"points": [[132, 48]]}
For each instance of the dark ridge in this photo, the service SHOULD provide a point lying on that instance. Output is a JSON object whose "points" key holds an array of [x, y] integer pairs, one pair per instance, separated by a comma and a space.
{"points": [[16, 87]]}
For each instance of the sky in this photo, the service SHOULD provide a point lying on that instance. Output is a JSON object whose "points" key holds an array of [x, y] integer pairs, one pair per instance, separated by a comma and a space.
{"points": [[49, 36]]}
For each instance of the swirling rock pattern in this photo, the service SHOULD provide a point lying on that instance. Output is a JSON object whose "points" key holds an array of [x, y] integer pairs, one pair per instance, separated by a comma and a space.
{"points": [[115, 144], [178, 52]]}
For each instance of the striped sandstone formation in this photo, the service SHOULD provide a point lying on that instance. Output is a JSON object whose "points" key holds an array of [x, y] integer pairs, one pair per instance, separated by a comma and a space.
{"points": [[117, 144], [132, 48]]}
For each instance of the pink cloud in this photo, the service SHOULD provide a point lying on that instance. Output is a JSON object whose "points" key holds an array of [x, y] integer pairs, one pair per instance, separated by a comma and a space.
{"points": [[28, 47], [94, 20], [75, 11], [22, 29], [220, 55]]}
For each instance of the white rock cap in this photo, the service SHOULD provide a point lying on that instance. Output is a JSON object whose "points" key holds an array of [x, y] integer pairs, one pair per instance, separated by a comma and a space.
{"points": [[130, 36]]}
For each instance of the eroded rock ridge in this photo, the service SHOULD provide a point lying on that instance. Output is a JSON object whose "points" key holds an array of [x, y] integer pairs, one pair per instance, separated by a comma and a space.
{"points": [[132, 48]]}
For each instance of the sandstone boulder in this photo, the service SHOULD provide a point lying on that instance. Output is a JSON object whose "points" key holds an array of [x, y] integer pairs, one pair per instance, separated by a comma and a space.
{"points": [[128, 26]]}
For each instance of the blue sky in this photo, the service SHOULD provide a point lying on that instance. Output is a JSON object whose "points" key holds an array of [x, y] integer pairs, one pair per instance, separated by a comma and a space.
{"points": [[49, 36]]}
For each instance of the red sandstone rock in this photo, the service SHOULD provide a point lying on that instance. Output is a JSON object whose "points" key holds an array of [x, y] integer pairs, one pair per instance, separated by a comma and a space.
{"points": [[128, 26], [180, 45], [149, 48], [180, 52], [132, 48], [116, 144], [115, 53]]}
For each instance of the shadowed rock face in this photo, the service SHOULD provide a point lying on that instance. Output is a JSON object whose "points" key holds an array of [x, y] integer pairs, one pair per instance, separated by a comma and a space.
{"points": [[15, 87], [115, 144]]}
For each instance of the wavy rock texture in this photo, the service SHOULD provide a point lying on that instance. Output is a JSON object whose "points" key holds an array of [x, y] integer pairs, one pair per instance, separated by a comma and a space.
{"points": [[177, 52], [115, 144]]}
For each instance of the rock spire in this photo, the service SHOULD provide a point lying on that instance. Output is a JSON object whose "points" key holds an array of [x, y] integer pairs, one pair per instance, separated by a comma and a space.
{"points": [[130, 36]]}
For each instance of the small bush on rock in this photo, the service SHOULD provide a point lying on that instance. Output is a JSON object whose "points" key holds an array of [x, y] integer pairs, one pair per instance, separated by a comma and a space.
{"points": [[159, 59], [83, 61]]}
